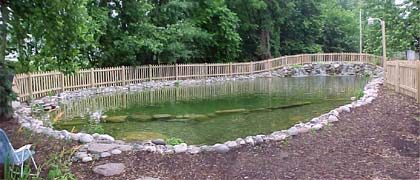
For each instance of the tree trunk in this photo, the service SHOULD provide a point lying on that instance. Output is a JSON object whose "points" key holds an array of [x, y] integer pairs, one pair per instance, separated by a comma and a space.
{"points": [[418, 46], [5, 83]]}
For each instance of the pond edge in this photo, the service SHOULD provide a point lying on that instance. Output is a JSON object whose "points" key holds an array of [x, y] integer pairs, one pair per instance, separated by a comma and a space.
{"points": [[102, 145]]}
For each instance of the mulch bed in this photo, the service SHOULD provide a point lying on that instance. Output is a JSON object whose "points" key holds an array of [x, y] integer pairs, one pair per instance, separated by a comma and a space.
{"points": [[380, 140], [45, 147]]}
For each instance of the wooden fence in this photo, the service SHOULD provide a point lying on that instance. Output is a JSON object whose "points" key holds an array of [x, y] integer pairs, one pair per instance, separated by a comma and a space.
{"points": [[38, 84], [404, 77]]}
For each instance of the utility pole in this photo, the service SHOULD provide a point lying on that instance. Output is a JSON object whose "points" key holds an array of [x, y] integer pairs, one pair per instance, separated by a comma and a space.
{"points": [[360, 32]]}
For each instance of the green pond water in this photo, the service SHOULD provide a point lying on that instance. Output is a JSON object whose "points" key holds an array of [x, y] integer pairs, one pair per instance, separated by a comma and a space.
{"points": [[212, 113]]}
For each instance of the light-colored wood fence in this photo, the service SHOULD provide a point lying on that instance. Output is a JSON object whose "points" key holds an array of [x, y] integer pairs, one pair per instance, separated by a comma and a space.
{"points": [[404, 77], [39, 84]]}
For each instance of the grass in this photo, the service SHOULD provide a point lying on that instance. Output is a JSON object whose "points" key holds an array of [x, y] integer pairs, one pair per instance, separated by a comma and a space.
{"points": [[359, 94]]}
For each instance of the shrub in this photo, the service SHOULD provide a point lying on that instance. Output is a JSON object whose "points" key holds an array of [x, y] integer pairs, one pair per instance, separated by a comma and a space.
{"points": [[174, 141]]}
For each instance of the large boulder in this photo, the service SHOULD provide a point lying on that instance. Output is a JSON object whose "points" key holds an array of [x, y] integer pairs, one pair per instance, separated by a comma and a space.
{"points": [[230, 111], [140, 117], [162, 116], [115, 119], [109, 169]]}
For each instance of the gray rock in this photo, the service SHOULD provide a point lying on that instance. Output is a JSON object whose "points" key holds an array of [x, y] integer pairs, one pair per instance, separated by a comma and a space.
{"points": [[293, 131], [207, 148], [231, 144], [109, 169], [105, 154], [250, 140], [317, 126], [81, 155], [345, 109], [193, 149], [303, 129], [125, 147], [105, 137], [87, 159], [279, 136], [332, 118], [258, 139], [335, 113], [101, 147], [86, 138], [180, 148], [221, 148], [149, 148], [158, 141], [116, 151], [240, 141]]}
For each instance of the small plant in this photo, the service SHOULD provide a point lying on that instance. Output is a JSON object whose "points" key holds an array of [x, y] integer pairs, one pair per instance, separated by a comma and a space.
{"points": [[329, 125], [94, 127], [50, 93], [177, 84], [313, 131], [59, 165], [359, 94], [14, 172], [366, 75], [285, 142], [174, 141]]}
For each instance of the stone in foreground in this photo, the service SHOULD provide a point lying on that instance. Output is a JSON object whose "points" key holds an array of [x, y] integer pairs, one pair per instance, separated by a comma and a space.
{"points": [[110, 169], [221, 148]]}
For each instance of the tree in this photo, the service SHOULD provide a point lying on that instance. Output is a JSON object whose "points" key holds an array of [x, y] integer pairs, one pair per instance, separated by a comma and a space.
{"points": [[339, 32], [302, 27], [5, 83]]}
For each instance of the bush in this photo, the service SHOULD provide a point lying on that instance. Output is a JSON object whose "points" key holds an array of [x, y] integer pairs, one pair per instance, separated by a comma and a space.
{"points": [[174, 141]]}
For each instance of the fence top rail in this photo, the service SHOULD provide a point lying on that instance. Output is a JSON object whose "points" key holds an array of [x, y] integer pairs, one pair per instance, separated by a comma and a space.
{"points": [[23, 75]]}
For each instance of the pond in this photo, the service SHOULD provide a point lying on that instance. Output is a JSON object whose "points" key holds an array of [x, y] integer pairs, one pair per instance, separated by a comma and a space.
{"points": [[210, 113]]}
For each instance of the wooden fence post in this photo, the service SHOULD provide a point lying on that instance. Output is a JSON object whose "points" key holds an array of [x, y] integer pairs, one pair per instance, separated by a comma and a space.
{"points": [[251, 68], [30, 86], [207, 70], [230, 69], [62, 82], [418, 81], [176, 71], [150, 72], [397, 76], [92, 77], [123, 75]]}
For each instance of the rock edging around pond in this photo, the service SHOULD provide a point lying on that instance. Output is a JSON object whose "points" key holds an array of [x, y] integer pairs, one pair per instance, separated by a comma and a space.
{"points": [[102, 145]]}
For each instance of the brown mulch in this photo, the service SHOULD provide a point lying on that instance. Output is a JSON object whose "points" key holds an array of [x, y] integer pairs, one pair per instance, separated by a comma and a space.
{"points": [[380, 140], [45, 147]]}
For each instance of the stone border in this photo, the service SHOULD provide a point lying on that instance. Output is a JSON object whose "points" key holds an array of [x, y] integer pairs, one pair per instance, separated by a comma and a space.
{"points": [[102, 145]]}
